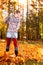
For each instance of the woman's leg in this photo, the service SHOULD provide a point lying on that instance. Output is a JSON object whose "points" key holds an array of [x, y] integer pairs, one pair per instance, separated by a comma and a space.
{"points": [[16, 46], [8, 40]]}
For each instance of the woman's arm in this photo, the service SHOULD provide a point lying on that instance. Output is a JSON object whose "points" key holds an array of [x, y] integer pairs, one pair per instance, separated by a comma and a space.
{"points": [[18, 24], [6, 19]]}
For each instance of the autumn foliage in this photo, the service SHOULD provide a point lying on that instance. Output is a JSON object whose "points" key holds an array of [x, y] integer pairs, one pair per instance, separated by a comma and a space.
{"points": [[26, 52]]}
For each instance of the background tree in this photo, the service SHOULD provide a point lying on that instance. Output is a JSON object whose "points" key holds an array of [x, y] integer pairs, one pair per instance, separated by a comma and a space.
{"points": [[41, 21], [32, 22]]}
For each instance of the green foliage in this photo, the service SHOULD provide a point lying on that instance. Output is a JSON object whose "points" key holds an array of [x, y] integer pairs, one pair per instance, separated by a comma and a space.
{"points": [[41, 22]]}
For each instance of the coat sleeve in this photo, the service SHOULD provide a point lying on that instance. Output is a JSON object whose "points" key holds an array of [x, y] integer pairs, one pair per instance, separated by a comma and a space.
{"points": [[18, 24], [6, 19]]}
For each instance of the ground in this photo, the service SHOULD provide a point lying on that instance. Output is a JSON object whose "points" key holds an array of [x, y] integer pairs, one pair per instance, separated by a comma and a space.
{"points": [[32, 50]]}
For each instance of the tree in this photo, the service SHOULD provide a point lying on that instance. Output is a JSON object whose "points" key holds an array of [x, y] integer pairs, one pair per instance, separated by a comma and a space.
{"points": [[32, 22], [27, 21], [41, 21]]}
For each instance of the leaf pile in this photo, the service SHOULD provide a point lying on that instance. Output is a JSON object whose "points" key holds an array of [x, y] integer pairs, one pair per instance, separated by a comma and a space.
{"points": [[26, 52]]}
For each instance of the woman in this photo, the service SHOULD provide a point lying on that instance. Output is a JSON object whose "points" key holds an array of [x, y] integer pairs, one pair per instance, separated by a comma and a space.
{"points": [[12, 31]]}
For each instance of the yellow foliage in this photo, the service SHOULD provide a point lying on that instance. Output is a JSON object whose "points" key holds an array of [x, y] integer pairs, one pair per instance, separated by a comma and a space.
{"points": [[26, 52]]}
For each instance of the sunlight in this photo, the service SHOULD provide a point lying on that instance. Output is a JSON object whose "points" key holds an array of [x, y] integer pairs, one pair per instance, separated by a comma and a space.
{"points": [[13, 0], [22, 1]]}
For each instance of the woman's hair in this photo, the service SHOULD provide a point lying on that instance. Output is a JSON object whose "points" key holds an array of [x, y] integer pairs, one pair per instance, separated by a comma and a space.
{"points": [[17, 11]]}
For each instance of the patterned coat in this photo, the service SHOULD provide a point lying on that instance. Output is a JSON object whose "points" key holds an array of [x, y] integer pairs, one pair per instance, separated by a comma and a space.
{"points": [[13, 26]]}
